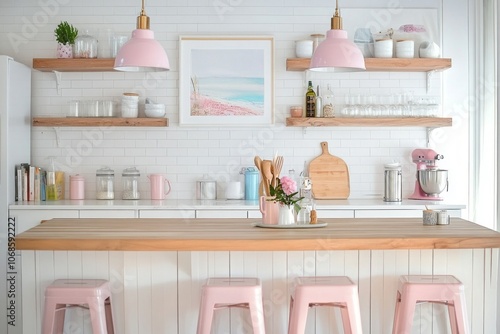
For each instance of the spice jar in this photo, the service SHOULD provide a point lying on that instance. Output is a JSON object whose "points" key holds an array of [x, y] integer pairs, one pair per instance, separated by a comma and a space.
{"points": [[130, 177], [105, 183]]}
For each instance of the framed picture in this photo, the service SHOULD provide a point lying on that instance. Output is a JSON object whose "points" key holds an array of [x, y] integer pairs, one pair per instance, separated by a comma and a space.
{"points": [[226, 80]]}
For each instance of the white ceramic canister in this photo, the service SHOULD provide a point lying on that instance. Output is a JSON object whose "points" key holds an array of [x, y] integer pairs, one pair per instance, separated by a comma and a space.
{"points": [[383, 48], [304, 48], [130, 105]]}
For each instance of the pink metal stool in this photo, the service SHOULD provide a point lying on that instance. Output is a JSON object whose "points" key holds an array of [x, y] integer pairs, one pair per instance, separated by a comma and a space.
{"points": [[65, 293], [219, 293], [338, 291], [443, 289]]}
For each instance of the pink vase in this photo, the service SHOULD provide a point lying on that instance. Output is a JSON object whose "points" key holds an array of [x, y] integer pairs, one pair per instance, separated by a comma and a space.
{"points": [[64, 50], [269, 210]]}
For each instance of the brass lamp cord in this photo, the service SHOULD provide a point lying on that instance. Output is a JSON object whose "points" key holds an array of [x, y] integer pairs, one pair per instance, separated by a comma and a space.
{"points": [[143, 19], [336, 21]]}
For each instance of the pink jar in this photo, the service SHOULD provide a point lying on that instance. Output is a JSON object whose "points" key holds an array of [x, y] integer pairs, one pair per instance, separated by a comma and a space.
{"points": [[76, 187]]}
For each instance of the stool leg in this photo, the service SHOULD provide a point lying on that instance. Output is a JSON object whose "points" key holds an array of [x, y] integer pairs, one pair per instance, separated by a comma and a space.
{"points": [[405, 316], [290, 312], [346, 323], [298, 316], [395, 324], [351, 315], [53, 318], [452, 317], [98, 316], [460, 314], [109, 316], [205, 316], [257, 315]]}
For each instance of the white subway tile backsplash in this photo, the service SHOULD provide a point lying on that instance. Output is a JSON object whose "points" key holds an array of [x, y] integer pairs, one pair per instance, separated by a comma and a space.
{"points": [[186, 153]]}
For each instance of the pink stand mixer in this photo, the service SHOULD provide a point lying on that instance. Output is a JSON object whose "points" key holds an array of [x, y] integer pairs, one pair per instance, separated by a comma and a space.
{"points": [[430, 181]]}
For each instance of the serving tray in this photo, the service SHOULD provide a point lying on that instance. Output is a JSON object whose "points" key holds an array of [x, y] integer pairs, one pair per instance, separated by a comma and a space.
{"points": [[317, 225]]}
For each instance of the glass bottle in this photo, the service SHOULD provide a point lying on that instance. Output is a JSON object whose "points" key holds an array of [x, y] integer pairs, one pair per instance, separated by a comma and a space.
{"points": [[105, 183], [310, 101], [328, 109], [130, 177], [85, 46]]}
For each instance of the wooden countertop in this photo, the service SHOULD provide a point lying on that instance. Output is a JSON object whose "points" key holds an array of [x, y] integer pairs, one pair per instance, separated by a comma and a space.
{"points": [[141, 234]]}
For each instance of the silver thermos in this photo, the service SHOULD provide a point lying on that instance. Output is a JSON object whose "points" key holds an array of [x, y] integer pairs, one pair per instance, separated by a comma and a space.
{"points": [[393, 191]]}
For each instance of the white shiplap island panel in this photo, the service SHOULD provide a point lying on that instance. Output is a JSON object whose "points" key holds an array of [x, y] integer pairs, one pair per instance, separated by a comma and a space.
{"points": [[159, 291]]}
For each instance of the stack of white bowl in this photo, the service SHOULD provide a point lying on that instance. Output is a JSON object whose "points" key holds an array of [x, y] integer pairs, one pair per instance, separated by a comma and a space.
{"points": [[154, 109]]}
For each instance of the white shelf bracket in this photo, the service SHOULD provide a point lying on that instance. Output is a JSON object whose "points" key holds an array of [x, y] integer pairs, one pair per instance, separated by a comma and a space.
{"points": [[58, 136], [428, 81], [428, 136], [58, 81]]}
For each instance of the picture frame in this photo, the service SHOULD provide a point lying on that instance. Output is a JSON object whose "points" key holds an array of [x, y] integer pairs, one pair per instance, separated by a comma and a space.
{"points": [[226, 80]]}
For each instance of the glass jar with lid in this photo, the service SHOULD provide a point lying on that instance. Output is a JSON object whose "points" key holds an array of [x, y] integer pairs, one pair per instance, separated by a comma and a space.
{"points": [[130, 177], [105, 178], [85, 46]]}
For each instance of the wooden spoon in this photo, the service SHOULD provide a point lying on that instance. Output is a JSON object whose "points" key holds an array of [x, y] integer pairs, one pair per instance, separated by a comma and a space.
{"points": [[273, 171], [258, 163], [278, 166], [268, 175]]}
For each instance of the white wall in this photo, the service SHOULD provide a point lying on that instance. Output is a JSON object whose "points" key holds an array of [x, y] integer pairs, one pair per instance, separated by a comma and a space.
{"points": [[185, 154]]}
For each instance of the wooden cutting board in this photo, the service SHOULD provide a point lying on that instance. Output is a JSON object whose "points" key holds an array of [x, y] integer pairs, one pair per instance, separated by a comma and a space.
{"points": [[329, 176]]}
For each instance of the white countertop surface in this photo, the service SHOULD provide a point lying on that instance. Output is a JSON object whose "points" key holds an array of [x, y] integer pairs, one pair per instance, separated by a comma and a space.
{"points": [[223, 204]]}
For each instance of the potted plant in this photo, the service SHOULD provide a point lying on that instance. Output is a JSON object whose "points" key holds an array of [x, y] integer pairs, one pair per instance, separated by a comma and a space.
{"points": [[65, 35]]}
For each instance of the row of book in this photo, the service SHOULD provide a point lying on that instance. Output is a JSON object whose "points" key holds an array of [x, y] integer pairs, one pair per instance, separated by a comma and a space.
{"points": [[36, 184]]}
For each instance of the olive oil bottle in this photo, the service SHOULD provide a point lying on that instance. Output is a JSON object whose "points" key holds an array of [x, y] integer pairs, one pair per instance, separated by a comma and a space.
{"points": [[310, 101]]}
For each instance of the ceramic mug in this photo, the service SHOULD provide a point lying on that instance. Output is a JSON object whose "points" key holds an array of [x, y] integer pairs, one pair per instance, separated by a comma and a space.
{"points": [[269, 210], [158, 189]]}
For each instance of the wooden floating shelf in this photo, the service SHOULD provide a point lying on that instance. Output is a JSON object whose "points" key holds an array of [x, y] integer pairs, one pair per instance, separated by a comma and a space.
{"points": [[74, 64], [98, 121], [433, 122], [384, 64]]}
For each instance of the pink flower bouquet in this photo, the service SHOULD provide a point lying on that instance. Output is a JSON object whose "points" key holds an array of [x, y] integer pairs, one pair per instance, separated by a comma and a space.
{"points": [[285, 192]]}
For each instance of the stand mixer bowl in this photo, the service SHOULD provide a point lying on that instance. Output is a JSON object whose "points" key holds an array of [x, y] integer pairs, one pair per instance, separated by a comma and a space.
{"points": [[433, 181]]}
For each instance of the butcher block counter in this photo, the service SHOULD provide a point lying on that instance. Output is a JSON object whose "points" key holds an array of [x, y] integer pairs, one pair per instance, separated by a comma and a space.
{"points": [[156, 268], [139, 234]]}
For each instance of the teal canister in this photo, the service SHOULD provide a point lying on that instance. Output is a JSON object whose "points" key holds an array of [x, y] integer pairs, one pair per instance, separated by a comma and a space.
{"points": [[251, 183]]}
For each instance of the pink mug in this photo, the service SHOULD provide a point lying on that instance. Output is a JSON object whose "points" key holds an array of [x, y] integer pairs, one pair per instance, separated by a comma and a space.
{"points": [[269, 210], [158, 188]]}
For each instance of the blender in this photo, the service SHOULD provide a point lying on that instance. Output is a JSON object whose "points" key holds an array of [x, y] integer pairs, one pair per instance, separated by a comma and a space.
{"points": [[431, 181]]}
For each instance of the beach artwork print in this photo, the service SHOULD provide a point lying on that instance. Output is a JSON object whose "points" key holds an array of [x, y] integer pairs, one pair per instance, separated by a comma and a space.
{"points": [[226, 82]]}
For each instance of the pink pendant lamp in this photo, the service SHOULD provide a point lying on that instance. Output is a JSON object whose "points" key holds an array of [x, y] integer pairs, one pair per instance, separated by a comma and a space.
{"points": [[337, 53], [142, 53]]}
